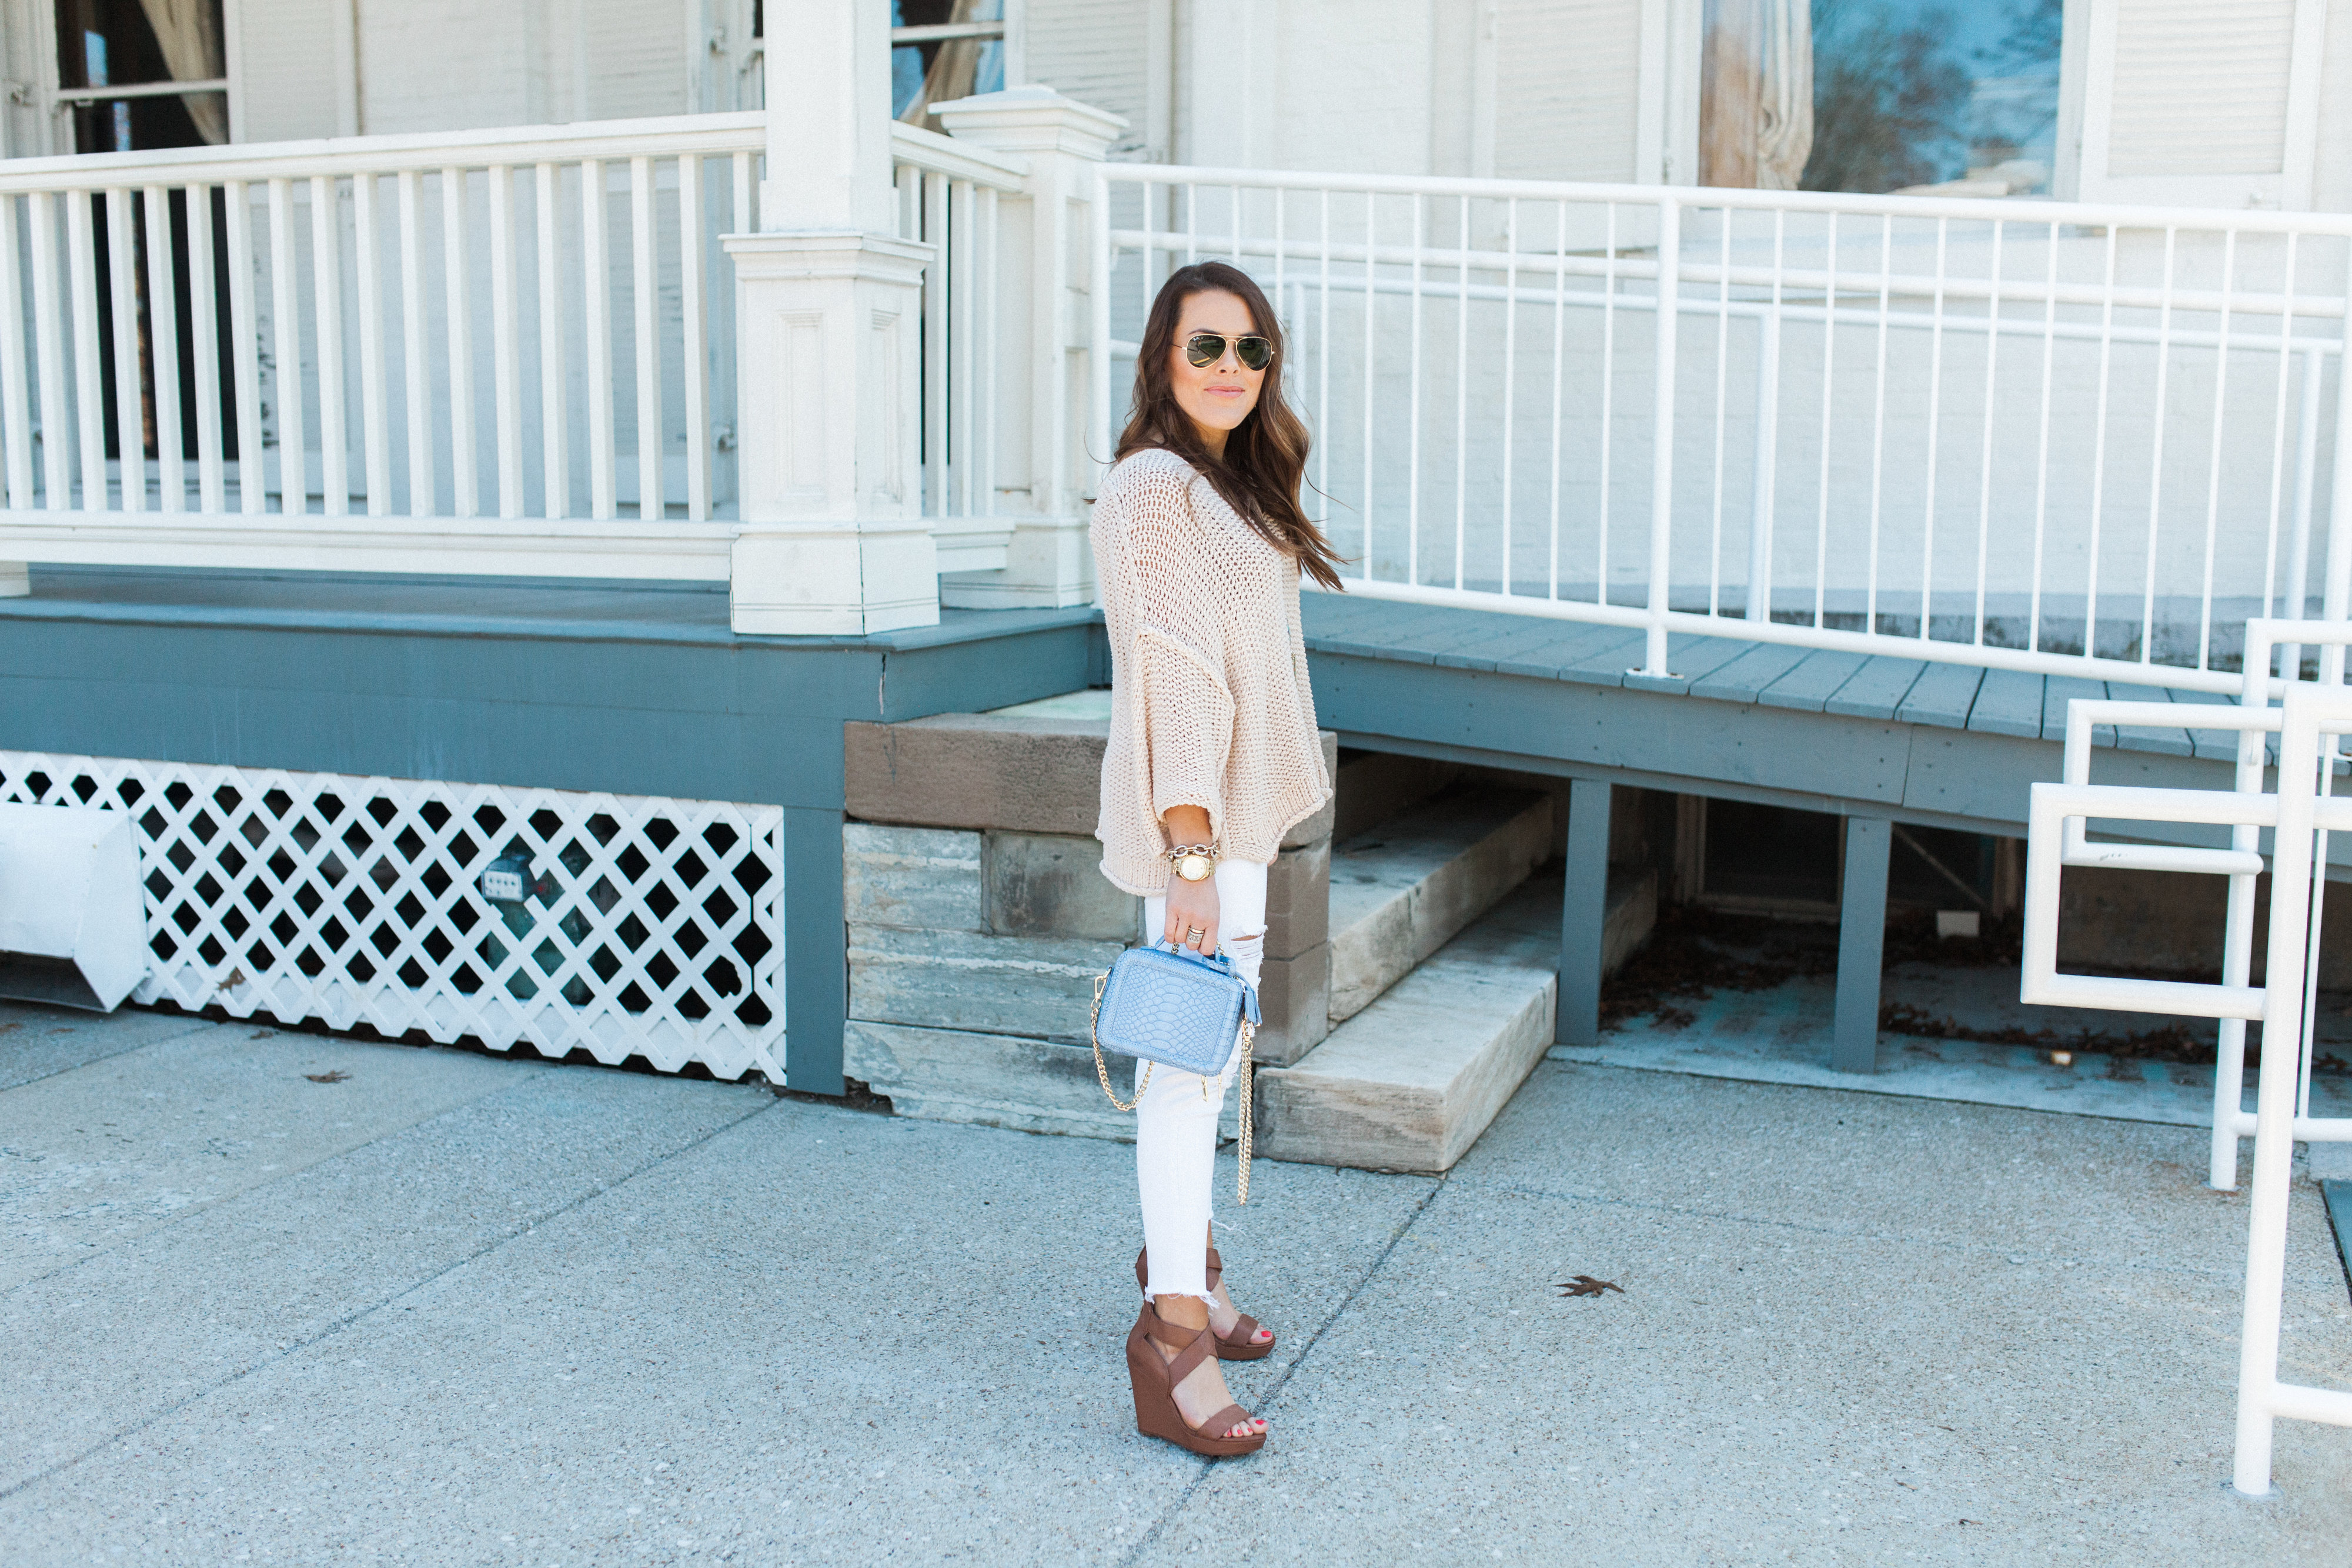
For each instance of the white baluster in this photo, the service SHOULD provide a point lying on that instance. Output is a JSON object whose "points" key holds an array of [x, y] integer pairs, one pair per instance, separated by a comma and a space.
{"points": [[597, 301], [15, 412], [163, 351], [48, 341], [245, 352], [286, 316], [696, 326], [129, 406], [554, 397], [203, 322], [643, 283], [506, 351], [375, 434], [459, 304], [326, 287], [89, 408], [418, 397]]}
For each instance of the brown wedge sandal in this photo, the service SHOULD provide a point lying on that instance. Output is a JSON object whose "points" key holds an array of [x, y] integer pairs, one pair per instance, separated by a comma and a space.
{"points": [[1155, 1381], [1236, 1342]]}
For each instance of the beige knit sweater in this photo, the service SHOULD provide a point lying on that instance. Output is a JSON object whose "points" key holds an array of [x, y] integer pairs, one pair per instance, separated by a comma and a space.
{"points": [[1209, 705]]}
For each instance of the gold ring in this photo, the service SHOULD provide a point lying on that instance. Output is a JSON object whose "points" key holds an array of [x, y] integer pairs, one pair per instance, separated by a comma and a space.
{"points": [[1192, 930]]}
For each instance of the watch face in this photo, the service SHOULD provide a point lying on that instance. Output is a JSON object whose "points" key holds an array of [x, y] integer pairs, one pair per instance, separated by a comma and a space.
{"points": [[1194, 868]]}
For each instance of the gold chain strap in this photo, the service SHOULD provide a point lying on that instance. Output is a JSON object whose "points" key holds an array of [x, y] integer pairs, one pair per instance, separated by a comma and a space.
{"points": [[1249, 1036], [1104, 1073]]}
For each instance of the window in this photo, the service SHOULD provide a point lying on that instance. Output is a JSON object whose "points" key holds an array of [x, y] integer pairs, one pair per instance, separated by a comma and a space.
{"points": [[118, 61], [1876, 96], [941, 50]]}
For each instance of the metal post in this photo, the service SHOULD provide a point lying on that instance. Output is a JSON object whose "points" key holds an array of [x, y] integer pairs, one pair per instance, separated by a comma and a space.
{"points": [[1862, 941], [1662, 435], [1584, 913]]}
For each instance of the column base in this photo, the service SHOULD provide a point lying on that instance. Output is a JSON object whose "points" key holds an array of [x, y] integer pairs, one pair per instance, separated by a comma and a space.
{"points": [[832, 579], [15, 580], [1047, 566]]}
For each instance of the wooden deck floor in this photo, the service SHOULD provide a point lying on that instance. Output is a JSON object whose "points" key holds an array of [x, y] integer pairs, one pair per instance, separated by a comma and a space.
{"points": [[1733, 670]]}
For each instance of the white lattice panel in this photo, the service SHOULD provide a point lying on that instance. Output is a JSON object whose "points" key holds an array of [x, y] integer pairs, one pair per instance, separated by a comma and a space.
{"points": [[650, 927]]}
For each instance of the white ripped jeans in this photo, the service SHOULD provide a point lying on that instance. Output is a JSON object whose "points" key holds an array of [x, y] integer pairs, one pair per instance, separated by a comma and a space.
{"points": [[1176, 1121]]}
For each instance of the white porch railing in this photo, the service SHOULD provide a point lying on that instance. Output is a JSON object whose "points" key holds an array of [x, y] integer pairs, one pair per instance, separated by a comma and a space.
{"points": [[2062, 438], [947, 197], [507, 351], [2299, 816], [259, 355]]}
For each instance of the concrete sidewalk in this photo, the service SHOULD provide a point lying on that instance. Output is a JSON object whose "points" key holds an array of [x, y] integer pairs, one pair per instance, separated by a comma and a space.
{"points": [[449, 1308]]}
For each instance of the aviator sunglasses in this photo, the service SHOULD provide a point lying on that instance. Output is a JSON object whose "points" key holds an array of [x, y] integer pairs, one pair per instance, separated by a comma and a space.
{"points": [[1206, 349]]}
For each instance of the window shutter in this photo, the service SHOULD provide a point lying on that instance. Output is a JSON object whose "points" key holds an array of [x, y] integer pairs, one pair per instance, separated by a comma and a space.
{"points": [[1567, 89], [2191, 103], [293, 69], [1098, 52]]}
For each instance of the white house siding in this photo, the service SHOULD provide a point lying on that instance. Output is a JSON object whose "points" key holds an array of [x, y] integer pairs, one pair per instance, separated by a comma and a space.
{"points": [[292, 64], [1100, 53], [1568, 88], [2331, 184]]}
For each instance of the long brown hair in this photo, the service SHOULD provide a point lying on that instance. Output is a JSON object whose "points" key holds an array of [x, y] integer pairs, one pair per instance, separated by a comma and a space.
{"points": [[1266, 455]]}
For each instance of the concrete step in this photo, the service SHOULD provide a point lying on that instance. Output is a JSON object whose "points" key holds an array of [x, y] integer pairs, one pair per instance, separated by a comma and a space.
{"points": [[1409, 1081], [1400, 890]]}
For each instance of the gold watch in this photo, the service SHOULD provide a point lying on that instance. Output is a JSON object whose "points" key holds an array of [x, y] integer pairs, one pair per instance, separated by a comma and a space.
{"points": [[1193, 863]]}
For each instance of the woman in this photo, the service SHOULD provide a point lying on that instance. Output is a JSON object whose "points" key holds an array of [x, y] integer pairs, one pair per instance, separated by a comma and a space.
{"points": [[1199, 543]]}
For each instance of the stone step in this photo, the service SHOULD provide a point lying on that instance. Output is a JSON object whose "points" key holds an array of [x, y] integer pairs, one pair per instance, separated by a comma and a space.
{"points": [[1410, 1083], [1403, 888]]}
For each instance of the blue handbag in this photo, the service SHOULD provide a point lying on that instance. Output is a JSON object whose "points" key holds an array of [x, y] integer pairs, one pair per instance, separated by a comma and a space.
{"points": [[1169, 1005]]}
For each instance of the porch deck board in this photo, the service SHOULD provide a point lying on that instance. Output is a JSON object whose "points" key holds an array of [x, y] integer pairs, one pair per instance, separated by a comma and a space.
{"points": [[2060, 690], [1942, 694], [2147, 737], [2010, 702], [1746, 678], [1878, 689], [1690, 659], [1809, 685], [1601, 647], [1532, 642]]}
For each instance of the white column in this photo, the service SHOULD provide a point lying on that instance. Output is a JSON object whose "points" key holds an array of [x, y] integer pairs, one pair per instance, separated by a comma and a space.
{"points": [[1043, 274], [828, 308]]}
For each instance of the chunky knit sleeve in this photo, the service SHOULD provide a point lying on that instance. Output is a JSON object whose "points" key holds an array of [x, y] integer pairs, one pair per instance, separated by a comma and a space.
{"points": [[1184, 711]]}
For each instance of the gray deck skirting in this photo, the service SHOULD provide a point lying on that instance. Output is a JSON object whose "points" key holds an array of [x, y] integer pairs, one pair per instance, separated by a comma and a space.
{"points": [[643, 689]]}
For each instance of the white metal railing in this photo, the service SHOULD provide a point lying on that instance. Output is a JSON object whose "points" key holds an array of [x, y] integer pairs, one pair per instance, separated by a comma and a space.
{"points": [[2089, 440], [2254, 720], [947, 197], [258, 355], [2309, 724]]}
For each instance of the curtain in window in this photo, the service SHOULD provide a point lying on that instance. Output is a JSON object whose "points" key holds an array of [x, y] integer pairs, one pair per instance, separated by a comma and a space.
{"points": [[956, 70], [189, 32], [1756, 115]]}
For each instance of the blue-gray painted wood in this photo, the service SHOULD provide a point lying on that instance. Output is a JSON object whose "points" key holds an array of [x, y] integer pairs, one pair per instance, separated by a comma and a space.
{"points": [[1877, 690], [2057, 691], [2337, 1196], [1809, 685], [1746, 678], [1595, 649], [1942, 694], [2007, 703], [1689, 659], [817, 949], [1861, 945], [1584, 914], [2145, 737]]}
